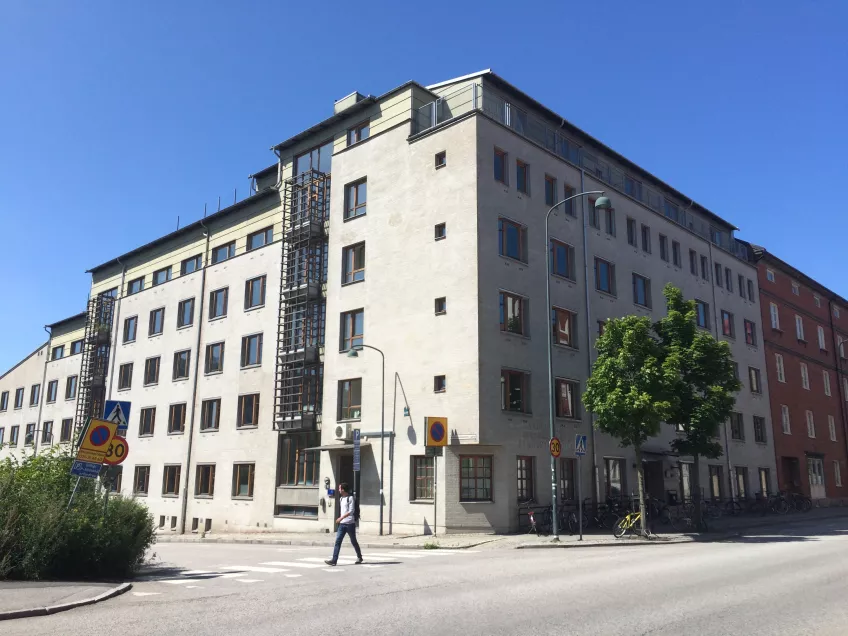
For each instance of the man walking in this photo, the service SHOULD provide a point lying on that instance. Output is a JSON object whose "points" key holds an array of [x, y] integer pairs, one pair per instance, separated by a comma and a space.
{"points": [[347, 524]]}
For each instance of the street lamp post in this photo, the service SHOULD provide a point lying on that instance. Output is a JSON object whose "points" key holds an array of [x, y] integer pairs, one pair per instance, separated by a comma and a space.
{"points": [[354, 353], [603, 203]]}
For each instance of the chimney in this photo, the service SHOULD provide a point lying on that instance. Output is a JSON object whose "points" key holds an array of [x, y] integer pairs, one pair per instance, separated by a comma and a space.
{"points": [[347, 101]]}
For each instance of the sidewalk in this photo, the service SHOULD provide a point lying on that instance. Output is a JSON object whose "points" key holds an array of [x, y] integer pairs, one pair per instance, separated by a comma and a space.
{"points": [[719, 529], [22, 599]]}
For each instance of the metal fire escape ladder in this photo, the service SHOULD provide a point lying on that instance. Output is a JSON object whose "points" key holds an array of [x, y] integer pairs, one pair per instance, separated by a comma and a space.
{"points": [[301, 318], [94, 366]]}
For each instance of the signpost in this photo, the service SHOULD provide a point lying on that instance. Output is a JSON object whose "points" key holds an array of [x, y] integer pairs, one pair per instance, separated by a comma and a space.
{"points": [[117, 452], [555, 446], [435, 439], [94, 445], [118, 412], [580, 451], [356, 465]]}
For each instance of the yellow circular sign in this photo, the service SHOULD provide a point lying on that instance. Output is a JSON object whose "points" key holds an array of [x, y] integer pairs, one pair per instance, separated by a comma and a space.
{"points": [[556, 447], [117, 452]]}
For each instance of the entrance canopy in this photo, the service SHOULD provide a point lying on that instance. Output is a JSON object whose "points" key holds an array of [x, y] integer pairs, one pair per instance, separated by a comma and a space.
{"points": [[337, 447]]}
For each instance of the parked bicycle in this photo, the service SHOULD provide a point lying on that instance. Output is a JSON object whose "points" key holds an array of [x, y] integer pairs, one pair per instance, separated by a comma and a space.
{"points": [[630, 523]]}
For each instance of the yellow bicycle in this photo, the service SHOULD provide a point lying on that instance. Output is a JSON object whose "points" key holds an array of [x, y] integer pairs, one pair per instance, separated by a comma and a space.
{"points": [[629, 523]]}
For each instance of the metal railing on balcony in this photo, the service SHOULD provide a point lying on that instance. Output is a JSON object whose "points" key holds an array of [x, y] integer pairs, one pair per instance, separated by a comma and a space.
{"points": [[497, 107]]}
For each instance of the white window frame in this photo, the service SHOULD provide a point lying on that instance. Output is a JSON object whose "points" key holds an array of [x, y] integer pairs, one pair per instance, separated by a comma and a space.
{"points": [[799, 327], [781, 369], [822, 341], [817, 300], [785, 420], [837, 473], [826, 380], [805, 376], [770, 275], [796, 288], [775, 316], [811, 425], [831, 427]]}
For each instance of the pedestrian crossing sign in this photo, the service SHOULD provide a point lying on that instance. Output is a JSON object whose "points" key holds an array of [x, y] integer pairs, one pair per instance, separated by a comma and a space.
{"points": [[580, 445]]}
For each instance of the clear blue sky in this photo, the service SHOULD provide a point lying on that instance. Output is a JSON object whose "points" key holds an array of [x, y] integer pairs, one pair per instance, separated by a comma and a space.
{"points": [[116, 117]]}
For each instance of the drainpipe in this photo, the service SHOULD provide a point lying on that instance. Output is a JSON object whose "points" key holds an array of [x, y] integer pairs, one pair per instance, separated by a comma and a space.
{"points": [[116, 312], [42, 394], [840, 390], [715, 331], [595, 481], [208, 235]]}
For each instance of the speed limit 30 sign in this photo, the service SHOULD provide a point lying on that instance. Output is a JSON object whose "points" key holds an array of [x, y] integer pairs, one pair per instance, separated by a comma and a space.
{"points": [[556, 447], [117, 451]]}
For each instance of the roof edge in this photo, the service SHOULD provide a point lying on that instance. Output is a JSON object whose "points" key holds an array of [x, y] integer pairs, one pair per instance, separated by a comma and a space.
{"points": [[462, 78], [761, 253], [59, 323], [39, 348]]}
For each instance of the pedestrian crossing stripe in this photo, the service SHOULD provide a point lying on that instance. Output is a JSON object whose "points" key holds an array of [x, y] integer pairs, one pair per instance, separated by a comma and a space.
{"points": [[295, 564], [251, 568]]}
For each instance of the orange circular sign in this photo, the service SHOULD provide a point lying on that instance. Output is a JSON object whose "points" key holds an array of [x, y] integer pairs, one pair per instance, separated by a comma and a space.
{"points": [[117, 451], [556, 447]]}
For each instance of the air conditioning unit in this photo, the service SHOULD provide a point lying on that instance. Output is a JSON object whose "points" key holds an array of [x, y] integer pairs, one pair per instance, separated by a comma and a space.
{"points": [[344, 432]]}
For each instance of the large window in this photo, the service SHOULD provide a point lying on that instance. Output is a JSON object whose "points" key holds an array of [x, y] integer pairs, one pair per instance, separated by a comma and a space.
{"points": [[799, 327], [243, 480], [254, 292], [693, 262], [210, 414], [524, 474], [13, 435], [716, 482], [750, 333], [421, 473], [204, 480], [141, 480], [147, 421], [248, 411], [754, 379], [702, 314], [604, 276], [512, 240], [176, 418], [831, 427], [774, 312], [260, 238], [298, 466], [562, 259], [214, 358], [185, 313], [125, 372], [71, 387], [190, 265], [737, 426], [218, 303], [251, 350], [475, 475], [223, 252], [353, 263], [130, 328], [641, 290], [826, 382], [515, 391], [728, 325], [567, 397], [52, 390], [157, 322], [350, 399], [719, 275], [356, 198], [67, 428], [171, 481], [500, 166], [741, 281], [512, 318], [564, 327], [760, 429], [742, 482], [151, 371], [614, 486], [161, 276], [352, 329], [182, 362], [319, 158]]}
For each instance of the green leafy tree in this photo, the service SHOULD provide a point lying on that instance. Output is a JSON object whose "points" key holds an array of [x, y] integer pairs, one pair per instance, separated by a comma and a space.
{"points": [[704, 390], [629, 389]]}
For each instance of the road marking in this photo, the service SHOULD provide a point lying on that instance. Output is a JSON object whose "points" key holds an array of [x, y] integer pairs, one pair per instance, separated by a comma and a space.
{"points": [[181, 581], [293, 564], [249, 580], [252, 568], [371, 565], [332, 570], [146, 593], [396, 555], [339, 562], [194, 587], [292, 576]]}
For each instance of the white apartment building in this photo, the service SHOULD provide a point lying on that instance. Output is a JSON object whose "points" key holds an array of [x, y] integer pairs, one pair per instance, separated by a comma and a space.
{"points": [[232, 336]]}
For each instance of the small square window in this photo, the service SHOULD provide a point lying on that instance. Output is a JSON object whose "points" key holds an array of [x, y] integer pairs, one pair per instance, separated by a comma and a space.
{"points": [[441, 231], [440, 384], [769, 275], [260, 238], [248, 411], [441, 306], [358, 133], [161, 276], [251, 350], [441, 159]]}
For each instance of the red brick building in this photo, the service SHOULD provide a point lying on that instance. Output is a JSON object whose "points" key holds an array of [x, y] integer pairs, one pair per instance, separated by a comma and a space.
{"points": [[805, 332]]}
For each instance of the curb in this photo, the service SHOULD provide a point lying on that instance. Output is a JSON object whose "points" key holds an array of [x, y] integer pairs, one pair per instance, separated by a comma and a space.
{"points": [[628, 543], [321, 544], [54, 609]]}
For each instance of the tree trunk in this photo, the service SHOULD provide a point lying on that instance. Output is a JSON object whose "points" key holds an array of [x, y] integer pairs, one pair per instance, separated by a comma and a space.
{"points": [[640, 480], [696, 491]]}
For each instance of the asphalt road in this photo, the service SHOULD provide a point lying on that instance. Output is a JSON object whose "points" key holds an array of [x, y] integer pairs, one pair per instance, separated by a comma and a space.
{"points": [[791, 581]]}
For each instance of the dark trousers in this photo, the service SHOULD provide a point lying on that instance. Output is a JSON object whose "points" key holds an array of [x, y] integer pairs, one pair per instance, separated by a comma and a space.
{"points": [[350, 530]]}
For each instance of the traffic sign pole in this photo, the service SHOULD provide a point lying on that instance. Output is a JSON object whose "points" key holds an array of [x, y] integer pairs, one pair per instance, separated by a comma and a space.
{"points": [[580, 495]]}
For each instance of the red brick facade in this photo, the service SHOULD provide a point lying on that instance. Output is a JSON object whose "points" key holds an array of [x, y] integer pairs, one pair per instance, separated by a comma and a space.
{"points": [[810, 321]]}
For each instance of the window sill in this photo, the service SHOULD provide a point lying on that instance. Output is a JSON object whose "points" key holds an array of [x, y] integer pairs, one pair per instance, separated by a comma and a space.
{"points": [[517, 413], [213, 372], [777, 329], [251, 366], [170, 495], [209, 430], [70, 399], [351, 218], [490, 502], [444, 165], [642, 307], [421, 501], [179, 379], [802, 341], [358, 419], [563, 277], [146, 435], [207, 497], [762, 443], [128, 342], [573, 420], [353, 282], [176, 432], [254, 308], [241, 498], [149, 384], [217, 318], [513, 333], [566, 347], [247, 427], [440, 391], [139, 494], [153, 335], [183, 327], [440, 238], [441, 313], [50, 402], [606, 293]]}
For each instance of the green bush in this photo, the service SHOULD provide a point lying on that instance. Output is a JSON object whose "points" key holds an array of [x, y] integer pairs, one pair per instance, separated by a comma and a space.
{"points": [[41, 539]]}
